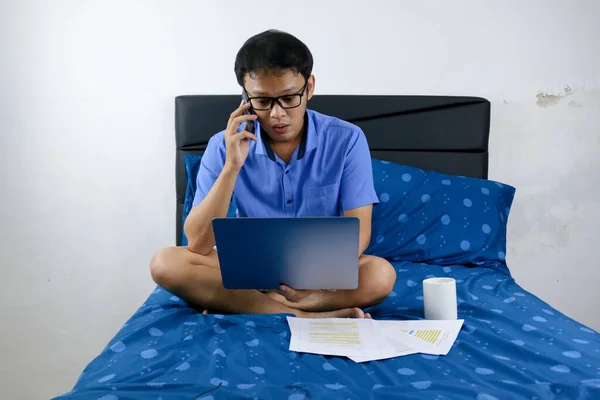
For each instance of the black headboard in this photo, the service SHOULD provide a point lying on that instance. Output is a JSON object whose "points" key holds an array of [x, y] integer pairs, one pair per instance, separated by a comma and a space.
{"points": [[447, 134]]}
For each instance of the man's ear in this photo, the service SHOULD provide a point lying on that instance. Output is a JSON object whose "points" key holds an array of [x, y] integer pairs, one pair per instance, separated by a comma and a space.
{"points": [[311, 87]]}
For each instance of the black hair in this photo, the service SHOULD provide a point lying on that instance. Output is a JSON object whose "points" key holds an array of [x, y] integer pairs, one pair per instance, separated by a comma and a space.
{"points": [[273, 51]]}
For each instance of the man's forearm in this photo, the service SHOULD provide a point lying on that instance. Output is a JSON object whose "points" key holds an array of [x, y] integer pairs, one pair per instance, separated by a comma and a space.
{"points": [[363, 245], [198, 226]]}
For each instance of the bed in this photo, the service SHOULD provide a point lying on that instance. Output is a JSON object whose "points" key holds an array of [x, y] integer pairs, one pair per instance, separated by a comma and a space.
{"points": [[439, 215]]}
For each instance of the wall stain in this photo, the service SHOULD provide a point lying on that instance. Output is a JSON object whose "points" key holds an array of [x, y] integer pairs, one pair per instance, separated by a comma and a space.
{"points": [[573, 103], [546, 100]]}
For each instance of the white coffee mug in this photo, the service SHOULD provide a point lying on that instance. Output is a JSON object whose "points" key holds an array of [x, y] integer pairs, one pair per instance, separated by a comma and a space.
{"points": [[439, 297]]}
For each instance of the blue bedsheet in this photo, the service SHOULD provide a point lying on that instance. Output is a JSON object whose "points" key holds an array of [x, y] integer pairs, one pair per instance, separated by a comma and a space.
{"points": [[512, 345]]}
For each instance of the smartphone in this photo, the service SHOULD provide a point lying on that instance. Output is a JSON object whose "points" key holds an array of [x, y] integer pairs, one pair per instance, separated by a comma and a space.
{"points": [[249, 124]]}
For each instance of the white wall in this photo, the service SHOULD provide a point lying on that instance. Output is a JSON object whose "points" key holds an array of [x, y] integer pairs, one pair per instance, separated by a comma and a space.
{"points": [[87, 143]]}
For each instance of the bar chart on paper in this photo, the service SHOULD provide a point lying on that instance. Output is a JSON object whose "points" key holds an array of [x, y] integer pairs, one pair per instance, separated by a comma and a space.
{"points": [[433, 337], [335, 333], [333, 336], [429, 335]]}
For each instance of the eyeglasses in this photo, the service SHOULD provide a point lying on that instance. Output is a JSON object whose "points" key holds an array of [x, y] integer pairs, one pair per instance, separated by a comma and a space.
{"points": [[285, 102]]}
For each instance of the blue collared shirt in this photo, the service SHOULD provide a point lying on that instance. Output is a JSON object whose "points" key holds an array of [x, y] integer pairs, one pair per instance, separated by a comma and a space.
{"points": [[329, 172]]}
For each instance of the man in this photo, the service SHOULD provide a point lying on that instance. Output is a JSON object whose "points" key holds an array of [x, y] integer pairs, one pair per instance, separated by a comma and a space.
{"points": [[299, 163]]}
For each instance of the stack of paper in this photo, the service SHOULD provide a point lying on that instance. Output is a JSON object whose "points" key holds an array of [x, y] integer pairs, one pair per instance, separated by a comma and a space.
{"points": [[367, 339]]}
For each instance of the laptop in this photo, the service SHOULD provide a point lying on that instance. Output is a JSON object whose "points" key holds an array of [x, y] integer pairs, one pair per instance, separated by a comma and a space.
{"points": [[301, 252]]}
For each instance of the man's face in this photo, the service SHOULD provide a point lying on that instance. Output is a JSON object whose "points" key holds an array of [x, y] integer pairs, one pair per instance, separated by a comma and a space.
{"points": [[281, 124]]}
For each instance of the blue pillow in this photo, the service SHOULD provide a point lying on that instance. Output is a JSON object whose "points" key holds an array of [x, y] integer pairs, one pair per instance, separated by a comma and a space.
{"points": [[192, 166], [426, 216]]}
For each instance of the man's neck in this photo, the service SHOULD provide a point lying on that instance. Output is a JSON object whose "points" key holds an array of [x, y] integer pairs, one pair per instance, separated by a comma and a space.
{"points": [[286, 150]]}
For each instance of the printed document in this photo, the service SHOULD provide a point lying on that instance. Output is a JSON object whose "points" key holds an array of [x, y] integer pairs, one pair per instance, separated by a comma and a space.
{"points": [[366, 339]]}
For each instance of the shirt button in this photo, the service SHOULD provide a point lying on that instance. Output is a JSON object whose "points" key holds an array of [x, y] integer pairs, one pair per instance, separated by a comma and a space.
{"points": [[289, 202], [286, 171]]}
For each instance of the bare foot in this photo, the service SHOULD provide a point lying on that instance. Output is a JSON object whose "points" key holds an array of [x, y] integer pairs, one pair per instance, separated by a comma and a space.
{"points": [[279, 298], [343, 313]]}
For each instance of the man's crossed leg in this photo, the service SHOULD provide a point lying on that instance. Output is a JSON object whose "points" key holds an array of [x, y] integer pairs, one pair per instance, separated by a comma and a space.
{"points": [[197, 279]]}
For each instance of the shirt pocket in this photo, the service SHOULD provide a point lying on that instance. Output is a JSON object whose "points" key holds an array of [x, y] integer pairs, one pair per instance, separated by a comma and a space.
{"points": [[321, 200]]}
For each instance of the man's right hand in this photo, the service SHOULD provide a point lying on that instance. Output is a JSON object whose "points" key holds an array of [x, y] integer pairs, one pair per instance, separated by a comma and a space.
{"points": [[238, 143]]}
